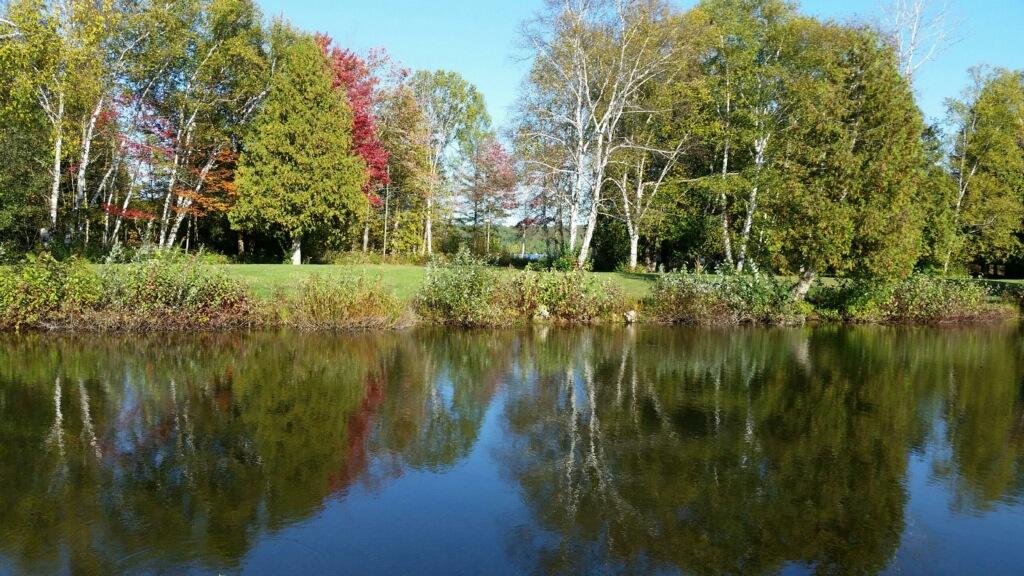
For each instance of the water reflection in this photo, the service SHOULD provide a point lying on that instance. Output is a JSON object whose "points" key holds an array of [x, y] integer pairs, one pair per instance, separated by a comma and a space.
{"points": [[637, 450]]}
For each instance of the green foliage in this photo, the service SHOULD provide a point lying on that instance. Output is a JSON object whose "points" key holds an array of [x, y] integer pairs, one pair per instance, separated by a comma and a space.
{"points": [[575, 296], [987, 166], [297, 174], [919, 299], [171, 292], [465, 292], [687, 298], [42, 290], [342, 303]]}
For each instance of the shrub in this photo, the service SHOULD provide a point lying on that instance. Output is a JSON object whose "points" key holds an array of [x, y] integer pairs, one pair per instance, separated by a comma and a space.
{"points": [[918, 299], [463, 292], [41, 290], [685, 298], [571, 296], [342, 303], [165, 293]]}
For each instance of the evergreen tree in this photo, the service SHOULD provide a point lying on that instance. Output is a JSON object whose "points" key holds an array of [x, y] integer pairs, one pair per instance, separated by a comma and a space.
{"points": [[297, 174]]}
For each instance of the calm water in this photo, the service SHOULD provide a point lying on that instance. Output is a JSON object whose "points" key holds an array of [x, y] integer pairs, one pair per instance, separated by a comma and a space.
{"points": [[640, 451]]}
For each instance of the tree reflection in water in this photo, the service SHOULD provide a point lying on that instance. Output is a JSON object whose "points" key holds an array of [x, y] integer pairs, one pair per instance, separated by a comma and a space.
{"points": [[633, 449]]}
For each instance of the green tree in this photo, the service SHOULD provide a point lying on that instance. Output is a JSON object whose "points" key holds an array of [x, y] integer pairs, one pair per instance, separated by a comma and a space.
{"points": [[455, 112], [987, 164], [853, 160], [296, 175]]}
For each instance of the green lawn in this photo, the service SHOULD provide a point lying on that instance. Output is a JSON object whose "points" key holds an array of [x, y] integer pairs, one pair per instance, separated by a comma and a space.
{"points": [[265, 279]]}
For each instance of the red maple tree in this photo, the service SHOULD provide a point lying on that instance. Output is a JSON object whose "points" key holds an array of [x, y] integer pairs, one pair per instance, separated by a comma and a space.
{"points": [[354, 75]]}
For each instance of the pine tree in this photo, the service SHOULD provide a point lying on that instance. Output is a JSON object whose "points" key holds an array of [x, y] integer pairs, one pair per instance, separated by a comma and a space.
{"points": [[297, 174]]}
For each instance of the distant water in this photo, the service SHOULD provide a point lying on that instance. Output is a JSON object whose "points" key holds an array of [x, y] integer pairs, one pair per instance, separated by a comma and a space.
{"points": [[640, 450]]}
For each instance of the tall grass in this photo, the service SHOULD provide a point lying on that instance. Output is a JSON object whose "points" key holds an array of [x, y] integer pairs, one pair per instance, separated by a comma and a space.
{"points": [[342, 303]]}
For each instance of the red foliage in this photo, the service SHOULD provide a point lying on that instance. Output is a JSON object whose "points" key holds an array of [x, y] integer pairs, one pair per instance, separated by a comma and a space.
{"points": [[128, 213], [353, 74]]}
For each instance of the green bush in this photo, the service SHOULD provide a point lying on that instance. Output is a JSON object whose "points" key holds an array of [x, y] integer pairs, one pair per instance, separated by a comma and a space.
{"points": [[463, 292], [685, 298], [42, 290], [342, 303], [918, 299], [577, 297], [164, 293]]}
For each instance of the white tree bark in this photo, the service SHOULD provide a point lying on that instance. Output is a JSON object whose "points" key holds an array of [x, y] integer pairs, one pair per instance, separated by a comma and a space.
{"points": [[296, 250]]}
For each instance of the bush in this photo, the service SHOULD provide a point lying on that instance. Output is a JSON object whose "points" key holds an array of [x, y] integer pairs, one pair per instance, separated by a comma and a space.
{"points": [[576, 296], [342, 303], [919, 299], [43, 290], [465, 292], [165, 293], [685, 298]]}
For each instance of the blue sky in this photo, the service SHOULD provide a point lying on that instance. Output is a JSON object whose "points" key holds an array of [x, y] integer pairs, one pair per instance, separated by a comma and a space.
{"points": [[480, 38]]}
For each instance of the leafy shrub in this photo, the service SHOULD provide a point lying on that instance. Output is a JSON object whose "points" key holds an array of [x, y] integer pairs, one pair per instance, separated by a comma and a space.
{"points": [[42, 289], [342, 303], [575, 296], [463, 292], [685, 298], [919, 299], [164, 293]]}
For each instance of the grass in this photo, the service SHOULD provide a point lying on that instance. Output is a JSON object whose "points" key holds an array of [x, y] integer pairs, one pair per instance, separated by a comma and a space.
{"points": [[404, 281]]}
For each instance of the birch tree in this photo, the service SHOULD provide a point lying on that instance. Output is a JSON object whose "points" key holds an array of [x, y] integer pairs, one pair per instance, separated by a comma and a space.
{"points": [[987, 165], [919, 30], [595, 56], [454, 110]]}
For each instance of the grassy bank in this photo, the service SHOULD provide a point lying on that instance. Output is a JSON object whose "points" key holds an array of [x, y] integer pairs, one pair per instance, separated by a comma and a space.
{"points": [[404, 281], [177, 292]]}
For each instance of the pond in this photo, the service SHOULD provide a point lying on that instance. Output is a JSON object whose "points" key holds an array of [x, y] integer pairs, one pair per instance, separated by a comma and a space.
{"points": [[639, 450]]}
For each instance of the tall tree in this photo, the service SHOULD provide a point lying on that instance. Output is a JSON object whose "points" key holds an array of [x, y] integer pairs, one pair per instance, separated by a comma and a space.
{"points": [[297, 174], [406, 137], [987, 164], [592, 59], [852, 162], [455, 112]]}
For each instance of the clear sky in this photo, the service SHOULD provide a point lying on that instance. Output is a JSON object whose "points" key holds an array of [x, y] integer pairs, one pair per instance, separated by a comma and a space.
{"points": [[480, 38]]}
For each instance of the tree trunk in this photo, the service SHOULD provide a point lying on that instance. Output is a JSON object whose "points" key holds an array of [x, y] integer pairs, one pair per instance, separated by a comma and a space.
{"points": [[241, 246], [428, 233], [748, 223], [588, 235], [574, 214], [799, 291], [58, 126], [634, 245], [366, 236], [296, 249]]}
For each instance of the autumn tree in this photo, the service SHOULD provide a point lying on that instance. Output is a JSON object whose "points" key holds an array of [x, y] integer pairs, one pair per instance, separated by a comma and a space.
{"points": [[297, 174], [488, 185], [353, 75], [406, 136]]}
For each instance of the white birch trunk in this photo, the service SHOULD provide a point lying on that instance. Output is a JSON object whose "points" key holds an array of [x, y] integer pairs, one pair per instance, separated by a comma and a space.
{"points": [[296, 249]]}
